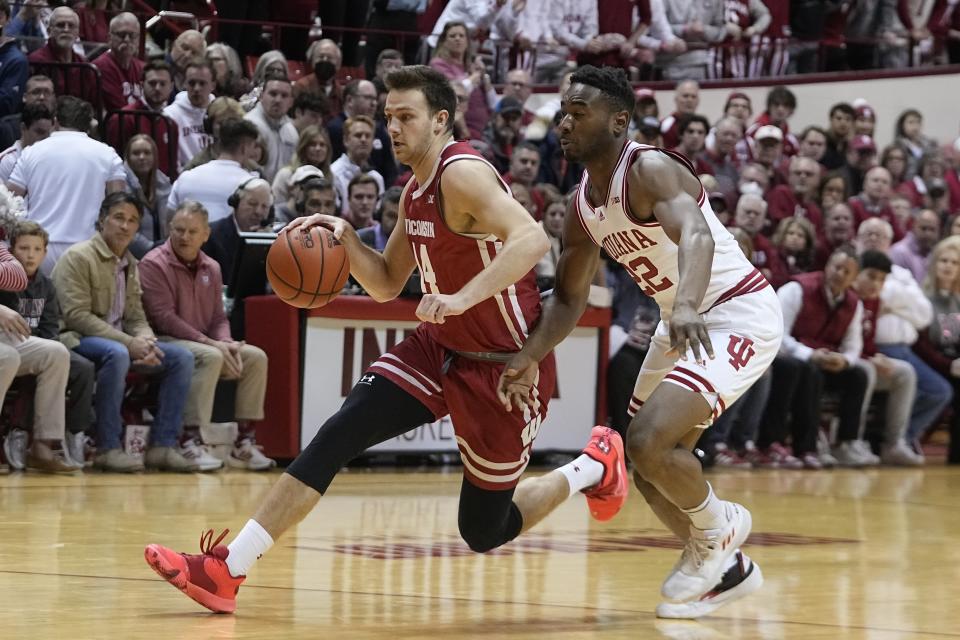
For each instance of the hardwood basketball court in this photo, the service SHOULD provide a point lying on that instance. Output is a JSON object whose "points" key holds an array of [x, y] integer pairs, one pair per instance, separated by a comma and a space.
{"points": [[866, 554]]}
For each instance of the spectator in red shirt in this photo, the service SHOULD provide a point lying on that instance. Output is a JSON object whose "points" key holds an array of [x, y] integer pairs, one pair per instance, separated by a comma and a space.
{"points": [[872, 202], [120, 70], [768, 152], [751, 216], [686, 97], [838, 229], [796, 199], [325, 59], [693, 134], [781, 103], [931, 174], [721, 161], [64, 29], [157, 83]]}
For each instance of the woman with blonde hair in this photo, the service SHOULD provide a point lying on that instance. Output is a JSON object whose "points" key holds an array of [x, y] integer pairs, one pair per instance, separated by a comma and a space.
{"points": [[313, 148], [152, 187], [796, 242], [939, 345]]}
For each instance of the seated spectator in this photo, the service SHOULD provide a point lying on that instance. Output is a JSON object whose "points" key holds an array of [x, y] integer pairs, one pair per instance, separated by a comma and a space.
{"points": [[157, 82], [939, 345], [795, 241], [39, 90], [183, 299], [120, 70], [904, 312], [896, 377], [751, 217], [377, 235], [103, 320], [313, 149], [767, 151], [929, 184], [894, 159], [552, 224], [720, 160], [913, 252], [187, 48], [781, 103], [93, 20], [525, 197], [289, 208], [65, 178], [648, 132], [796, 199], [189, 109], [363, 191], [276, 127], [36, 123], [460, 129], [313, 195], [872, 202], [360, 99], [693, 134], [228, 77], [839, 228], [358, 145], [822, 342], [271, 63], [754, 179], [909, 134], [524, 168], [645, 105], [902, 211], [219, 111], [324, 58], [686, 98], [152, 187], [23, 354], [14, 69], [308, 110], [519, 86], [452, 59], [839, 134], [700, 25], [212, 183], [64, 32], [865, 122], [833, 189], [29, 23], [813, 144], [387, 60], [503, 132]]}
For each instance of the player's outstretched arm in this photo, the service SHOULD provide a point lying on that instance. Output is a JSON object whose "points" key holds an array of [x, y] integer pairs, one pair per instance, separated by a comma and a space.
{"points": [[575, 271], [381, 275], [659, 183], [475, 202]]}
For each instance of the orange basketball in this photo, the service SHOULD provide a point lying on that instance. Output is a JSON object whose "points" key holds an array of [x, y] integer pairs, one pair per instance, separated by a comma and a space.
{"points": [[307, 269]]}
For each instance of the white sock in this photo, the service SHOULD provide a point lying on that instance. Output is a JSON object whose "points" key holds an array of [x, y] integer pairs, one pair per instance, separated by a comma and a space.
{"points": [[252, 542], [582, 473], [711, 514]]}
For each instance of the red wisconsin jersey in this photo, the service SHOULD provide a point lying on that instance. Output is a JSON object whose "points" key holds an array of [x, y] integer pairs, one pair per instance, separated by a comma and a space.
{"points": [[448, 261]]}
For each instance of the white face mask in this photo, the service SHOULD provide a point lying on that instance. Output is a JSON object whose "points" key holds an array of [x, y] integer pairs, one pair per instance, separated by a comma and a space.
{"points": [[751, 188]]}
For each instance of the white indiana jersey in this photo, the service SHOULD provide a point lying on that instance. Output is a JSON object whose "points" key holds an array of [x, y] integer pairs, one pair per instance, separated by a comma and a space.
{"points": [[645, 250]]}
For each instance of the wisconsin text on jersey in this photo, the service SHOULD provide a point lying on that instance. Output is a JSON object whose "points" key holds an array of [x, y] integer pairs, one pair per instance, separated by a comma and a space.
{"points": [[422, 228]]}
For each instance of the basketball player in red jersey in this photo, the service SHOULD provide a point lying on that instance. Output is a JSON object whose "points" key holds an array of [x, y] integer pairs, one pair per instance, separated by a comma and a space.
{"points": [[475, 248], [646, 207]]}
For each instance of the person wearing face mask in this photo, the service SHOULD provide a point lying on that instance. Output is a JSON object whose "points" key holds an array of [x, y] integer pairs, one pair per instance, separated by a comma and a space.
{"points": [[325, 59]]}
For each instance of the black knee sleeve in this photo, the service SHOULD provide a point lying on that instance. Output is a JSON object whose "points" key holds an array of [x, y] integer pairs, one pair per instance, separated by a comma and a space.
{"points": [[487, 519], [375, 411]]}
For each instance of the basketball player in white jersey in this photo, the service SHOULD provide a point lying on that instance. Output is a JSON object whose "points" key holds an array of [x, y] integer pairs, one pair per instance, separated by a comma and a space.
{"points": [[721, 327]]}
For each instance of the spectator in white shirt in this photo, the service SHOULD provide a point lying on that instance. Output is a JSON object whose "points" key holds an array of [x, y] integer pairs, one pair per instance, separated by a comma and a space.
{"points": [[276, 127], [189, 108], [211, 183], [36, 122], [65, 178], [358, 142], [478, 15]]}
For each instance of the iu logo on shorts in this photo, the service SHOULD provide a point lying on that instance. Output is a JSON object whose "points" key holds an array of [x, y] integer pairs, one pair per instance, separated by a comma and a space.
{"points": [[740, 350]]}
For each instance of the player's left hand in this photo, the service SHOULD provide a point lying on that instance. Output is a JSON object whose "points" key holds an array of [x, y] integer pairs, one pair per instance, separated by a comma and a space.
{"points": [[688, 331], [434, 307], [516, 381]]}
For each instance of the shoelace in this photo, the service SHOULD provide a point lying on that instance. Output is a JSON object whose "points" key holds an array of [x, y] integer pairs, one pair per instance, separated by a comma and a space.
{"points": [[208, 544]]}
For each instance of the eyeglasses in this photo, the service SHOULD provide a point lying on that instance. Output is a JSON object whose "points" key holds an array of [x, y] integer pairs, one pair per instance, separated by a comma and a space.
{"points": [[125, 35]]}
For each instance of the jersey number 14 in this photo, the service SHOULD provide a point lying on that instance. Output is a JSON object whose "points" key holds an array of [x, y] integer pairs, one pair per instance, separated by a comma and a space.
{"points": [[428, 277]]}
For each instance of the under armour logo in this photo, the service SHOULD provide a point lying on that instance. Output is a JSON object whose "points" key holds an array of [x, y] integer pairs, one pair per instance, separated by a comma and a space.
{"points": [[740, 350], [367, 379], [430, 199]]}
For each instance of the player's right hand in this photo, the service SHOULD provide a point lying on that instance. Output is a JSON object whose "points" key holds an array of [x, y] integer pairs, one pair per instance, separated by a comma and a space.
{"points": [[338, 226], [516, 381]]}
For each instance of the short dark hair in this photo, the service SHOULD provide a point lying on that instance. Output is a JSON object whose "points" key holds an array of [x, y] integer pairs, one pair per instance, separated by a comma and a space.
{"points": [[612, 83], [434, 86], [234, 132], [781, 95], [362, 178], [352, 88], [315, 183], [873, 259], [74, 113], [5, 8], [34, 112], [198, 63], [526, 144], [843, 107], [393, 194], [898, 128], [276, 75], [156, 65], [690, 118], [114, 199], [847, 250], [389, 54], [307, 101]]}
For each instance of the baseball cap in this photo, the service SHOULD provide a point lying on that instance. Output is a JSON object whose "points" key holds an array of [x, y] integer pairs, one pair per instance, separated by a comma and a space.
{"points": [[768, 131], [739, 94], [863, 143], [649, 122], [866, 111], [509, 104], [644, 94], [303, 172]]}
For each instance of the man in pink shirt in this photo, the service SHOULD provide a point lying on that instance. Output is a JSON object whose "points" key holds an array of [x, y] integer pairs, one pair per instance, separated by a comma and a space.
{"points": [[183, 298], [120, 70]]}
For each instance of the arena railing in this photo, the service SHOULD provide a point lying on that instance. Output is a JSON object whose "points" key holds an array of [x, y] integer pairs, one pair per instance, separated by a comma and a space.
{"points": [[80, 79], [120, 125]]}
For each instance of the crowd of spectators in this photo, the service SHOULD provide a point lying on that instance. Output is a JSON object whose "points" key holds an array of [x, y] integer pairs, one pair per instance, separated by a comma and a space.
{"points": [[117, 271]]}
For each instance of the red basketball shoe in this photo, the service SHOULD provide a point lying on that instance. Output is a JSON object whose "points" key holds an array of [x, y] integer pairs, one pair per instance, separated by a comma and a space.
{"points": [[606, 498], [203, 577]]}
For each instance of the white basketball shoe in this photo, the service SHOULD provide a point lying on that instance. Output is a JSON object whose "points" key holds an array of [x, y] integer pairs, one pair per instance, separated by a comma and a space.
{"points": [[740, 580], [706, 555]]}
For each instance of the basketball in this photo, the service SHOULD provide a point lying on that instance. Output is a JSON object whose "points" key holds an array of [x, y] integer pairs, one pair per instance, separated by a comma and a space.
{"points": [[307, 269]]}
